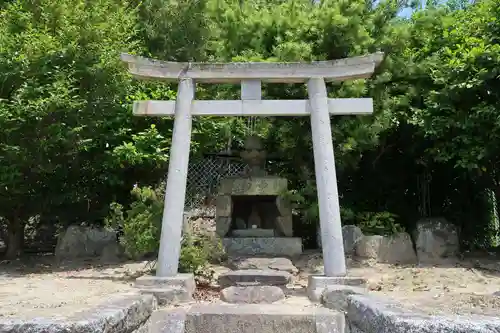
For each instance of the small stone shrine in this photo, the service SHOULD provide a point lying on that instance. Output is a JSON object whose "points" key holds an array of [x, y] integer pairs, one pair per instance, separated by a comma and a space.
{"points": [[252, 215]]}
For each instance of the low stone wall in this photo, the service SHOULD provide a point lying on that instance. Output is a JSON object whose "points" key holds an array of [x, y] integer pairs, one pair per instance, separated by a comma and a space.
{"points": [[129, 314], [370, 314]]}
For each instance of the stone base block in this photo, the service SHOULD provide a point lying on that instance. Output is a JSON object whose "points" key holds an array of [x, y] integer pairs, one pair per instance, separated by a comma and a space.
{"points": [[318, 283], [169, 289], [276, 246]]}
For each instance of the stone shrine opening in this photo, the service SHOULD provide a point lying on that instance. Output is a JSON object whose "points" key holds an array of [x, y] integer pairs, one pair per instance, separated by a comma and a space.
{"points": [[254, 216], [252, 207]]}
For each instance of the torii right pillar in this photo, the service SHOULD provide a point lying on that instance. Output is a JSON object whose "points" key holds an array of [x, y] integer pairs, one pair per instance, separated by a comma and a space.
{"points": [[328, 200], [326, 180]]}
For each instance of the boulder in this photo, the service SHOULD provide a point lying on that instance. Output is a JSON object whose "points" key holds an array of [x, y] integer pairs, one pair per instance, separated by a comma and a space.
{"points": [[112, 253], [435, 238], [351, 235], [395, 249], [84, 242], [252, 294], [369, 246]]}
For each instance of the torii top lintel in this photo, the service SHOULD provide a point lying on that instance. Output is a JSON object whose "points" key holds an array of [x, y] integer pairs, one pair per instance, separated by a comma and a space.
{"points": [[296, 72]]}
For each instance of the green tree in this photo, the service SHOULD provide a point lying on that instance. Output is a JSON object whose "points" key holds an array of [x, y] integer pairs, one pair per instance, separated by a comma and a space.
{"points": [[62, 108]]}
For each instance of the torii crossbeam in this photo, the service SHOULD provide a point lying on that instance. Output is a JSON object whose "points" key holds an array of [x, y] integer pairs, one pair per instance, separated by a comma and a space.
{"points": [[319, 107]]}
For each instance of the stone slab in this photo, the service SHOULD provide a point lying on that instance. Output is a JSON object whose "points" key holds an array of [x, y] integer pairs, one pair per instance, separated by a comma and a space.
{"points": [[262, 277], [273, 263], [262, 318], [122, 315], [268, 185], [257, 232], [277, 246], [168, 321], [168, 290], [369, 313], [318, 283], [181, 280], [168, 295], [252, 294]]}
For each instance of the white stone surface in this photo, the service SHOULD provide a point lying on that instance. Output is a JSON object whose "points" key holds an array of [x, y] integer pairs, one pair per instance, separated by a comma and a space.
{"points": [[251, 89], [175, 193], [255, 107], [326, 180], [334, 70]]}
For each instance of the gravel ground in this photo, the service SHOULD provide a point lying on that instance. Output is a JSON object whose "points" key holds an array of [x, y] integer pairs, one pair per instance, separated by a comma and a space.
{"points": [[445, 287], [40, 288]]}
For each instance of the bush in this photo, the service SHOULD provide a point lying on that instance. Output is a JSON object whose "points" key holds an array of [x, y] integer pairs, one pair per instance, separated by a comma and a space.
{"points": [[378, 223], [140, 228]]}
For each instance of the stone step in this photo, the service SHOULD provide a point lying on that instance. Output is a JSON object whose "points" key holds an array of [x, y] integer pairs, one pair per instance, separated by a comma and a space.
{"points": [[263, 277], [180, 280], [248, 318]]}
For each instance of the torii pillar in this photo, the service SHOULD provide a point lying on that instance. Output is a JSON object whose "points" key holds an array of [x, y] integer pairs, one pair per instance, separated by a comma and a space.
{"points": [[250, 75]]}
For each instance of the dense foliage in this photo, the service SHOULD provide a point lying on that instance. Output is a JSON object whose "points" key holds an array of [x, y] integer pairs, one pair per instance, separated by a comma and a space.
{"points": [[70, 147]]}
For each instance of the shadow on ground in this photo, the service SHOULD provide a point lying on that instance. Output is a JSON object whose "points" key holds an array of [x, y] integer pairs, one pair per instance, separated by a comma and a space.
{"points": [[48, 263]]}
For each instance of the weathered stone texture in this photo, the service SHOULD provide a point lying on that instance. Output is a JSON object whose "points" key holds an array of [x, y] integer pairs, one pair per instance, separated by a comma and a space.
{"points": [[351, 235], [317, 284], [276, 264], [253, 186], [368, 313], [81, 242], [435, 238], [369, 246], [395, 249], [335, 297], [277, 246], [168, 290], [263, 277], [121, 316], [262, 318], [252, 294]]}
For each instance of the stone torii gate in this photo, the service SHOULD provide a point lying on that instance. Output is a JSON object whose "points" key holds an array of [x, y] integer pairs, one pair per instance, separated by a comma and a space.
{"points": [[250, 75]]}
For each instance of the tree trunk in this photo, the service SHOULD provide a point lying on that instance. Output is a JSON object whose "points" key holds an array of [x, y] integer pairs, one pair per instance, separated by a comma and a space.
{"points": [[15, 238]]}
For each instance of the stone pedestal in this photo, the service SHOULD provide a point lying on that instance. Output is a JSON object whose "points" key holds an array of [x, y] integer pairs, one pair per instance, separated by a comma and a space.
{"points": [[168, 290]]}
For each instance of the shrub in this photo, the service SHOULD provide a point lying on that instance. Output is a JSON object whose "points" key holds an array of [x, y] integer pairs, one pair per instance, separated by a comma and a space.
{"points": [[140, 226], [378, 223]]}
